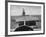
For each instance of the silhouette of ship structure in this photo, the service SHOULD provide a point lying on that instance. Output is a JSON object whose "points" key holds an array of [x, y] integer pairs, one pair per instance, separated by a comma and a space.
{"points": [[25, 21]]}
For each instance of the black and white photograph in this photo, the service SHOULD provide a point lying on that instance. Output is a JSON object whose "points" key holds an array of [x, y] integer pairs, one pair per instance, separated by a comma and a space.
{"points": [[25, 18]]}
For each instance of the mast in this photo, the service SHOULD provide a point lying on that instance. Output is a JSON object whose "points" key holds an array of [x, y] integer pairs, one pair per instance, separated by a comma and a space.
{"points": [[23, 12]]}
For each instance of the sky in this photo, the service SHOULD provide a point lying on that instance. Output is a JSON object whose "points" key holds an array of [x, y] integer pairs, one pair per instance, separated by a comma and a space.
{"points": [[17, 10]]}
